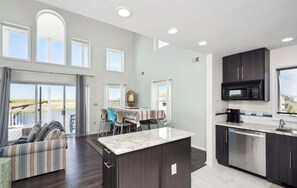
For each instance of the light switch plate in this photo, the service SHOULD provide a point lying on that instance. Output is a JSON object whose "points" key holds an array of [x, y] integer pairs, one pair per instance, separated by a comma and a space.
{"points": [[173, 169]]}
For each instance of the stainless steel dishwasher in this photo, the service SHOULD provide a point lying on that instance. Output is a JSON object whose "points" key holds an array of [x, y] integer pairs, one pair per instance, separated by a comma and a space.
{"points": [[247, 150]]}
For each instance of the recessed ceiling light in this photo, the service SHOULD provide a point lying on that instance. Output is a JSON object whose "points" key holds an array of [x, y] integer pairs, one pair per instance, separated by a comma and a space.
{"points": [[202, 43], [123, 12], [287, 39], [172, 31]]}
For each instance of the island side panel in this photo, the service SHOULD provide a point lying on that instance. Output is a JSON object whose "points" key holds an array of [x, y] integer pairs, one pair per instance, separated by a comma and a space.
{"points": [[140, 169], [179, 153]]}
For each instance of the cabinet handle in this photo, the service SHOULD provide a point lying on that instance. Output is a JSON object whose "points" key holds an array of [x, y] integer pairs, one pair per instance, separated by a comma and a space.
{"points": [[242, 73], [107, 150], [108, 165], [237, 73], [226, 137], [290, 160]]}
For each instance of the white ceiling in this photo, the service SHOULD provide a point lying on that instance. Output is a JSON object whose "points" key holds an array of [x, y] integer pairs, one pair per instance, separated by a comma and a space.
{"points": [[229, 26]]}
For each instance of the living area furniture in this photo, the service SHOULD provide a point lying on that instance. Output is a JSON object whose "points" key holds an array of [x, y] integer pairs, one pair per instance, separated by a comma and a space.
{"points": [[105, 124], [137, 115], [146, 159], [121, 123], [36, 158], [5, 172]]}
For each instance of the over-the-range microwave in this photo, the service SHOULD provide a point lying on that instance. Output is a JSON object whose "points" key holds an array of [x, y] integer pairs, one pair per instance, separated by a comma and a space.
{"points": [[247, 90]]}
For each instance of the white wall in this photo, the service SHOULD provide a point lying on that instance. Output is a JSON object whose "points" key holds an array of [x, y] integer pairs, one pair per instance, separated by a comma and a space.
{"points": [[188, 84], [100, 35]]}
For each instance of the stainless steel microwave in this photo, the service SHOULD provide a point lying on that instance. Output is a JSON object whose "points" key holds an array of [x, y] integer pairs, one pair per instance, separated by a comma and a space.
{"points": [[248, 90]]}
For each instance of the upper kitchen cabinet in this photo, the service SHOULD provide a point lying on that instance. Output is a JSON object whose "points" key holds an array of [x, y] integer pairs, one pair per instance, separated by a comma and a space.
{"points": [[247, 66]]}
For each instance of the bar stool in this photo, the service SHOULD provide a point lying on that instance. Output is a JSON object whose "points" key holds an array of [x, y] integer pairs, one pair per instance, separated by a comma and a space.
{"points": [[105, 124], [121, 122]]}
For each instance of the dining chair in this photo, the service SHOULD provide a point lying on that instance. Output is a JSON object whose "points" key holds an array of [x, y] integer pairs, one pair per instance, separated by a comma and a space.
{"points": [[121, 123], [105, 124]]}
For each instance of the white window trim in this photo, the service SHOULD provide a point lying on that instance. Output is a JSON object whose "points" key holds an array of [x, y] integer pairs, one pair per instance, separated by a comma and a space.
{"points": [[123, 94], [65, 37], [123, 60], [156, 45], [17, 27], [77, 40]]}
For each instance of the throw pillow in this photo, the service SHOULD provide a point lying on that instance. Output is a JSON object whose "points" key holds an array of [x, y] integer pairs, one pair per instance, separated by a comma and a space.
{"points": [[34, 132], [53, 134], [42, 132]]}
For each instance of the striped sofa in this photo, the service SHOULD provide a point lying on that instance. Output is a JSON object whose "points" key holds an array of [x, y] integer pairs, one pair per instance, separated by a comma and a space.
{"points": [[36, 158]]}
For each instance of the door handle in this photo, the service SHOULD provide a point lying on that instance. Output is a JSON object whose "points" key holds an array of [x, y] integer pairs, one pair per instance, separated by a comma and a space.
{"points": [[107, 164], [237, 73], [107, 150], [242, 72], [247, 134], [226, 136], [290, 160]]}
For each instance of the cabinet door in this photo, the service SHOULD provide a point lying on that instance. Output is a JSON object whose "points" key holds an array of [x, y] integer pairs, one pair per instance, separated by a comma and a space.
{"points": [[273, 158], [231, 68], [109, 175], [289, 167], [222, 146], [253, 65]]}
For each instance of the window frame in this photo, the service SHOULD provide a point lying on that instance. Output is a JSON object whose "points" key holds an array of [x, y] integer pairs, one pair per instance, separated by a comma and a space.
{"points": [[122, 63], [156, 45], [123, 93], [81, 41], [278, 102], [17, 27], [45, 11]]}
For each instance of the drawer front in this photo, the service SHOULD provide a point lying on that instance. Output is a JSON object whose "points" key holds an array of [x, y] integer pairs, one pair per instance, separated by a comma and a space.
{"points": [[110, 156]]}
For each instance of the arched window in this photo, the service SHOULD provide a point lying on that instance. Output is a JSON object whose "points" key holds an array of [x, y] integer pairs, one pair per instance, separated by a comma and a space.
{"points": [[50, 38]]}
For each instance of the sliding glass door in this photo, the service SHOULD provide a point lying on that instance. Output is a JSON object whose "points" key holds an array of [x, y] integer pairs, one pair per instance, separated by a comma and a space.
{"points": [[33, 102]]}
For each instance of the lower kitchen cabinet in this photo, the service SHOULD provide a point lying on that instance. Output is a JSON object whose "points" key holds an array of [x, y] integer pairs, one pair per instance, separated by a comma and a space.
{"points": [[222, 145], [150, 167], [281, 153]]}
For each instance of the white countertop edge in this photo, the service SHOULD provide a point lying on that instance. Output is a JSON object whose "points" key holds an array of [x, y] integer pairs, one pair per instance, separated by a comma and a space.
{"points": [[255, 127]]}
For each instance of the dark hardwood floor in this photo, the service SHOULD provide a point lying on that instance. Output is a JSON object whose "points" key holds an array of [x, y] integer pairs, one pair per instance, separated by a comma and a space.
{"points": [[83, 169]]}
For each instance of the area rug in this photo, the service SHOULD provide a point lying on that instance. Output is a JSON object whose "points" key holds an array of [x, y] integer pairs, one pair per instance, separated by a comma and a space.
{"points": [[198, 157]]}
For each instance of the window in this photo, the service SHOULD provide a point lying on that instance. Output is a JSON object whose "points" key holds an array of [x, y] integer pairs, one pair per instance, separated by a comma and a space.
{"points": [[114, 60], [15, 42], [115, 95], [161, 97], [50, 38], [160, 44], [287, 91], [80, 53]]}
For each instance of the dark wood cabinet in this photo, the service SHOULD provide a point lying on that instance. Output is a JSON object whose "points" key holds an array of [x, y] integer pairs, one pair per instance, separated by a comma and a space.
{"points": [[247, 66], [150, 167], [281, 152], [231, 68], [222, 145]]}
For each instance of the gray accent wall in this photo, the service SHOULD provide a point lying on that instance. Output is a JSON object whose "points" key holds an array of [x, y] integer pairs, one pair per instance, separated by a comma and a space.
{"points": [[188, 84]]}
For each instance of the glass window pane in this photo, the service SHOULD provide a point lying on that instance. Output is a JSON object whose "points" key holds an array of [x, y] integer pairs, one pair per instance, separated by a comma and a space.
{"points": [[50, 44], [15, 42], [115, 61], [80, 54], [42, 50], [288, 90], [114, 97], [57, 52]]}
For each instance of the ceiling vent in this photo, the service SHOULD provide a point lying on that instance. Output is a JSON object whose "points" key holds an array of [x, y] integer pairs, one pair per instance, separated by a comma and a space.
{"points": [[195, 60]]}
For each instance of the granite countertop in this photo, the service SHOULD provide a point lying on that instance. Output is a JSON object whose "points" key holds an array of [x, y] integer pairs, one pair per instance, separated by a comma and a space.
{"points": [[125, 143], [256, 127]]}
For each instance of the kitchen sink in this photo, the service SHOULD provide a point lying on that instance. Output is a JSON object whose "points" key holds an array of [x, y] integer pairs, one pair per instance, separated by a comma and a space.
{"points": [[287, 130]]}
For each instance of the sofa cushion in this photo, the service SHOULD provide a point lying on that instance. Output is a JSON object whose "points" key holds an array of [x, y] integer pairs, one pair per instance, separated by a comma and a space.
{"points": [[34, 132], [54, 125], [42, 132], [53, 134]]}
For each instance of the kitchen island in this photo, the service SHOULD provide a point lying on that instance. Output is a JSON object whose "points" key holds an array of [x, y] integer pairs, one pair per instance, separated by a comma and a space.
{"points": [[158, 158]]}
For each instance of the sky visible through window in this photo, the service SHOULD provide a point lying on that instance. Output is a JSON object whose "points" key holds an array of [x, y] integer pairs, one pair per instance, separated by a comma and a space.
{"points": [[15, 43], [115, 60], [114, 93]]}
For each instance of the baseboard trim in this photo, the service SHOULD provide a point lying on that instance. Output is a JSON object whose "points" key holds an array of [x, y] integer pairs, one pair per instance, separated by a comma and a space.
{"points": [[198, 147]]}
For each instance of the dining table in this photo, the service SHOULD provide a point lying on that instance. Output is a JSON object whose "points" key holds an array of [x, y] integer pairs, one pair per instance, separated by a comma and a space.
{"points": [[139, 115]]}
